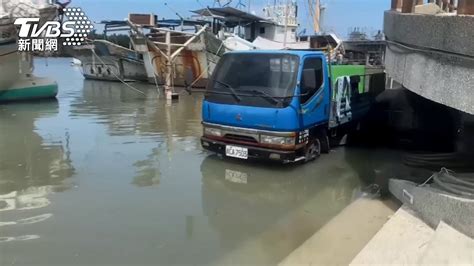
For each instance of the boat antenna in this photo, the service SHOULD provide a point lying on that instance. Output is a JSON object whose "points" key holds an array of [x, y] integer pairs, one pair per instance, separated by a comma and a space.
{"points": [[199, 2], [240, 4], [177, 14], [216, 2]]}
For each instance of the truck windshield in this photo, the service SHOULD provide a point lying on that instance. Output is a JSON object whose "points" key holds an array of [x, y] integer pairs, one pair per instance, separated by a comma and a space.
{"points": [[263, 80]]}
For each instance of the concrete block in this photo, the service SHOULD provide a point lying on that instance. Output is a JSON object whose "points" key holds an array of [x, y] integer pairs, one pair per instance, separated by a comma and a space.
{"points": [[448, 80], [447, 33], [434, 206]]}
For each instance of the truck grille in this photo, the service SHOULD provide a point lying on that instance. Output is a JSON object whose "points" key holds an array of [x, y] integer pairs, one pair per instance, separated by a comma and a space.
{"points": [[240, 138]]}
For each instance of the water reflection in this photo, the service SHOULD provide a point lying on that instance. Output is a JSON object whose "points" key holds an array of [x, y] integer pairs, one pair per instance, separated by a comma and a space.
{"points": [[148, 170], [126, 112], [142, 118], [31, 167], [267, 211]]}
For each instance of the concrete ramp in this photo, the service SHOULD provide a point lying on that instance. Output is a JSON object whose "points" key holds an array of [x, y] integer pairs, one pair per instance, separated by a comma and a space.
{"points": [[402, 241], [345, 235], [449, 247], [407, 240]]}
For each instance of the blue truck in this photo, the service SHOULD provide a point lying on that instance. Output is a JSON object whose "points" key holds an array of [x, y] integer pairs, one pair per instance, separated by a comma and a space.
{"points": [[281, 106]]}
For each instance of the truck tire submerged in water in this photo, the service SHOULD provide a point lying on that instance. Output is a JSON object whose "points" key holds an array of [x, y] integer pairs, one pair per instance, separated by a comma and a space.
{"points": [[313, 150], [324, 140]]}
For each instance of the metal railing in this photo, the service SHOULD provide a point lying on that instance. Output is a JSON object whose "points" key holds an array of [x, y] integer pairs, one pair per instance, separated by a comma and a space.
{"points": [[460, 7]]}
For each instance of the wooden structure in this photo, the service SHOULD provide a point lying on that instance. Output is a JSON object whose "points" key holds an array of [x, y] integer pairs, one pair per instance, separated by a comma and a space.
{"points": [[181, 58]]}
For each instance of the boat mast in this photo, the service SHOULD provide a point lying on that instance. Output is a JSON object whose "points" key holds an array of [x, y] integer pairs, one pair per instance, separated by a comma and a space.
{"points": [[314, 7], [317, 16], [315, 10], [286, 23]]}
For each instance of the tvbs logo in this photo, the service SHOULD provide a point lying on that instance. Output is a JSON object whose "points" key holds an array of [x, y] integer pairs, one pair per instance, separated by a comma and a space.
{"points": [[29, 28], [41, 38]]}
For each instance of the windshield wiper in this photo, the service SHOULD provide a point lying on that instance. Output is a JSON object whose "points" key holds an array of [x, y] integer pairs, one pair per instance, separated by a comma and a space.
{"points": [[266, 95], [231, 89]]}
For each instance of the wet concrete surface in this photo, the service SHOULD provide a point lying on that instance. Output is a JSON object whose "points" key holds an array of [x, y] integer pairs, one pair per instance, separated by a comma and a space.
{"points": [[107, 175]]}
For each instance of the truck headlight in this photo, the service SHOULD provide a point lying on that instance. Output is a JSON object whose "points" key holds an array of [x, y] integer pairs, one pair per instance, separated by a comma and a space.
{"points": [[209, 131], [277, 140]]}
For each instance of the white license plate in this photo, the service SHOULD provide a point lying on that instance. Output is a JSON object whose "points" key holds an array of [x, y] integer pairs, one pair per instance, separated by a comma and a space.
{"points": [[236, 176], [237, 152]]}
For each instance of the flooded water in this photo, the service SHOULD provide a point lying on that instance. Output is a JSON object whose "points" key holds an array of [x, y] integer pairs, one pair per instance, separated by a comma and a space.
{"points": [[107, 175]]}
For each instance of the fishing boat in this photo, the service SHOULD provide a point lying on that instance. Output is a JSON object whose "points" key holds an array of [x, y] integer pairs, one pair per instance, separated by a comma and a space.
{"points": [[105, 60], [180, 53], [17, 81], [109, 60], [241, 30]]}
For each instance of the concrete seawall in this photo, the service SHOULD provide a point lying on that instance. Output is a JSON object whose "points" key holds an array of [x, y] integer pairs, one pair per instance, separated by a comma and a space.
{"points": [[433, 56]]}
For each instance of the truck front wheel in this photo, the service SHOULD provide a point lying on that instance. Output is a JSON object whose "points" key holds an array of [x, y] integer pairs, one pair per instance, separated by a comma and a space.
{"points": [[324, 140], [313, 150]]}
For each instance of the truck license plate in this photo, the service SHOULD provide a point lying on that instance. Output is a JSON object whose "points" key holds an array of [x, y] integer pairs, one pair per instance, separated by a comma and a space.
{"points": [[236, 152]]}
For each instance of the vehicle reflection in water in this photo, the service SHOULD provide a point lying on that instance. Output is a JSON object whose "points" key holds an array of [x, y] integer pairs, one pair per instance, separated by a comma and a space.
{"points": [[262, 213], [31, 168]]}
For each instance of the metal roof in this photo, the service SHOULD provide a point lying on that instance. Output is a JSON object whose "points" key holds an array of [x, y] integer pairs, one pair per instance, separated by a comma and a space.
{"points": [[299, 53], [160, 23], [229, 15]]}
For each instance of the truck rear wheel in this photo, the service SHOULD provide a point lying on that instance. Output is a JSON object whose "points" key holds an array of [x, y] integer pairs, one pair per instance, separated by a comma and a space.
{"points": [[313, 150]]}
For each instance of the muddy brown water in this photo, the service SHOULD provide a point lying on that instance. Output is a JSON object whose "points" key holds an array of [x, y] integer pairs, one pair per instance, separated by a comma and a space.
{"points": [[107, 176]]}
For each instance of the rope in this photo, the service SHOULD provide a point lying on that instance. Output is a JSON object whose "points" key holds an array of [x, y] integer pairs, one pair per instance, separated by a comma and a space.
{"points": [[446, 180], [154, 76]]}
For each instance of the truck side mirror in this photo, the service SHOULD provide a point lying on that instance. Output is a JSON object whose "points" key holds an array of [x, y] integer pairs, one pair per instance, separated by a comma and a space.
{"points": [[308, 81]]}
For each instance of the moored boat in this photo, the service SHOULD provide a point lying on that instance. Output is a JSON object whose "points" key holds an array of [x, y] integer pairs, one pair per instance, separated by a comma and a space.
{"points": [[183, 57], [104, 60], [17, 81]]}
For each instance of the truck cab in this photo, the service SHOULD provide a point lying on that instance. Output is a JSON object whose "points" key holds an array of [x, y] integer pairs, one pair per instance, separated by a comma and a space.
{"points": [[273, 105]]}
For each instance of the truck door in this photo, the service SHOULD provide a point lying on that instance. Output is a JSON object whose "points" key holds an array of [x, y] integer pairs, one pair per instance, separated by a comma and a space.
{"points": [[314, 90]]}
